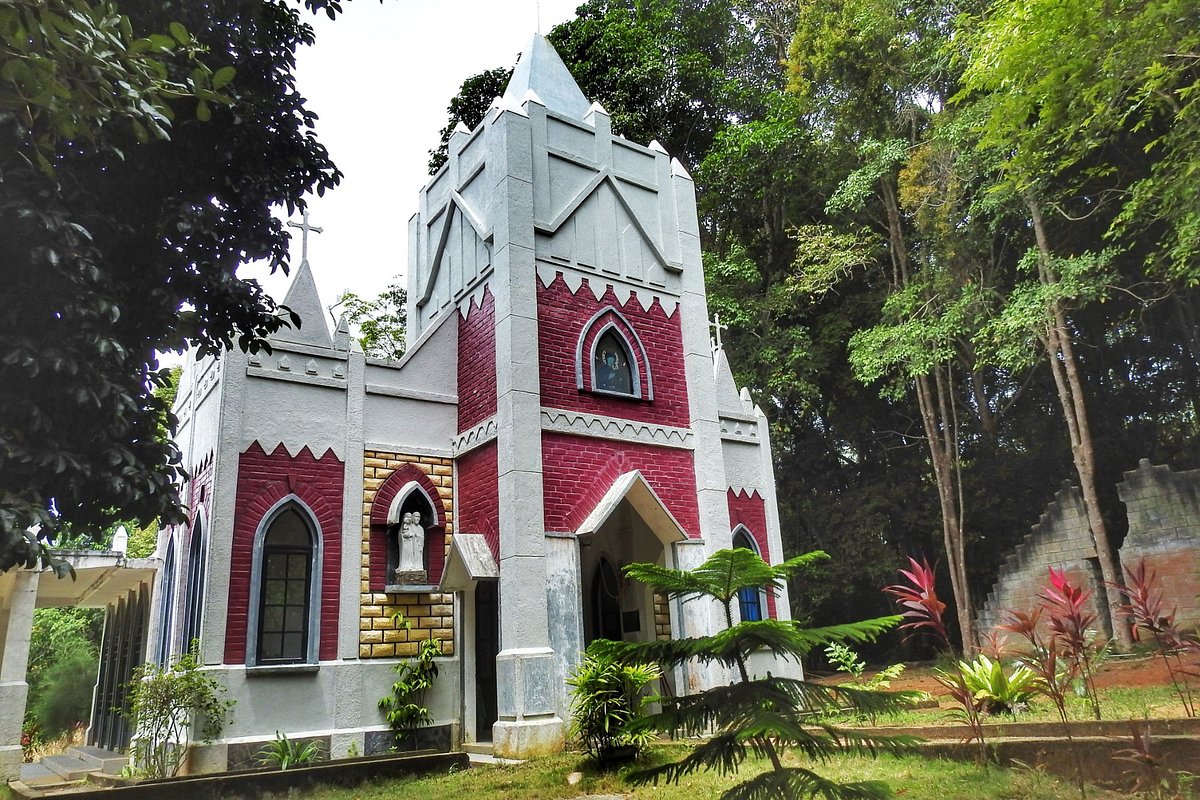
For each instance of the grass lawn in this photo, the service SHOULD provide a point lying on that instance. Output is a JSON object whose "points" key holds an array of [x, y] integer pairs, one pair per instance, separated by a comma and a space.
{"points": [[910, 777]]}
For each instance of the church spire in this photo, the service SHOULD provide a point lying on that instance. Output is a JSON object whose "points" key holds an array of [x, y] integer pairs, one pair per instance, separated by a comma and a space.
{"points": [[541, 71], [302, 297]]}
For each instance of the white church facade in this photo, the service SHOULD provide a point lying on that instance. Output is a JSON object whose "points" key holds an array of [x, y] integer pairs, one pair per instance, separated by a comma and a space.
{"points": [[561, 411]]}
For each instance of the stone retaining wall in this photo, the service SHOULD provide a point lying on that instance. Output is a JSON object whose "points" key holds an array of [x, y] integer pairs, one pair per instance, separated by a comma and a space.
{"points": [[1163, 509]]}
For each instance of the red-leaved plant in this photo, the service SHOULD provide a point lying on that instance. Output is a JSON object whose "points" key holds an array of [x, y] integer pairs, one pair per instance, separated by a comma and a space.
{"points": [[919, 601], [1054, 675], [1145, 609], [1069, 620]]}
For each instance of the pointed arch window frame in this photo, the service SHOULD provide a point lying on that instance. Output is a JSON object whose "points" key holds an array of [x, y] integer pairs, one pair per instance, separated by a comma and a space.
{"points": [[167, 595], [195, 582], [764, 611], [601, 323], [254, 612]]}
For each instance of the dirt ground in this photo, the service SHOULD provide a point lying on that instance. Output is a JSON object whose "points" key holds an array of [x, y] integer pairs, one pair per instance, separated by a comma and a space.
{"points": [[1127, 671]]}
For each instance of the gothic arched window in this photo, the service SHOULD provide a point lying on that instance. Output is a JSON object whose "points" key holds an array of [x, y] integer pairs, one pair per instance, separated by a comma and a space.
{"points": [[611, 359], [287, 582], [166, 606], [752, 601], [197, 571], [613, 367]]}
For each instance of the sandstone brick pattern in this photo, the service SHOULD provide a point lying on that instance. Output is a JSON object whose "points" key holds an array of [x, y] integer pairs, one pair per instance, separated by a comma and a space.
{"points": [[662, 617], [429, 614]]}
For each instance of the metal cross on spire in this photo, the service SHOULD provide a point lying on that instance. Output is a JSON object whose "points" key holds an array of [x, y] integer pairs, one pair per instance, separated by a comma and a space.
{"points": [[717, 328], [305, 227]]}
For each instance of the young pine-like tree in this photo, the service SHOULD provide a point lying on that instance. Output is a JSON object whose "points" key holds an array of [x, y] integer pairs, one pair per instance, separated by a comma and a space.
{"points": [[757, 715]]}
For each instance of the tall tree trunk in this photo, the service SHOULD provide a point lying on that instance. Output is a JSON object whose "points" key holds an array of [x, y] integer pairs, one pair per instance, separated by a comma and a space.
{"points": [[1064, 366], [935, 399], [932, 396]]}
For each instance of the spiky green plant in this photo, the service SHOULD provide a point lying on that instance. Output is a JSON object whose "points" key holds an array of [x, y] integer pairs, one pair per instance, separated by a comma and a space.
{"points": [[762, 715], [605, 700]]}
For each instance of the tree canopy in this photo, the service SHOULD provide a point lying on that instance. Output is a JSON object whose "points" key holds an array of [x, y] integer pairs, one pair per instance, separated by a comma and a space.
{"points": [[871, 180], [142, 148]]}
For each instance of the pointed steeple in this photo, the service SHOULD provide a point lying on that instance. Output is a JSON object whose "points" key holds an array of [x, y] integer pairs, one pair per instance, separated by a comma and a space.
{"points": [[302, 298], [543, 73]]}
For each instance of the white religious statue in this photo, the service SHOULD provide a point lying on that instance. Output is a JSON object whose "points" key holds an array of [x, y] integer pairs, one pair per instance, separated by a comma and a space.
{"points": [[412, 550]]}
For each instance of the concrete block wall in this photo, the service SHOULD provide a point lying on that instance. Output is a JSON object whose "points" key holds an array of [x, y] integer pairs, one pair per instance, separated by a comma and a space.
{"points": [[1061, 539], [1164, 529]]}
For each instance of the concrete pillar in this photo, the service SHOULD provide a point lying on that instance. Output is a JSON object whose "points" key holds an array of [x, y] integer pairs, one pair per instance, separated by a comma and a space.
{"points": [[528, 694], [16, 626]]}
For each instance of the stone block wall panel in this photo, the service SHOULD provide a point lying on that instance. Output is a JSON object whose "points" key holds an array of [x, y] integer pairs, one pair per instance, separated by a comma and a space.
{"points": [[1061, 539], [578, 470], [562, 316], [1164, 530], [263, 480], [426, 615], [477, 362]]}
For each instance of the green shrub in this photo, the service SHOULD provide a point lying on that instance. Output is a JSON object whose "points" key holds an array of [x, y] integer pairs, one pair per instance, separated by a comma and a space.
{"points": [[64, 694], [284, 753], [756, 716], [606, 700], [993, 690], [167, 707], [404, 708]]}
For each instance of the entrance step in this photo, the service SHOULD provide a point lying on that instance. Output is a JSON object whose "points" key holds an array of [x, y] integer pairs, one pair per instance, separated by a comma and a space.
{"points": [[101, 760], [67, 767], [34, 774], [477, 748]]}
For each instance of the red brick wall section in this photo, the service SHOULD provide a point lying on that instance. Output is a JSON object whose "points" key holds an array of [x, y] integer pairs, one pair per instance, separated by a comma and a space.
{"points": [[434, 534], [578, 471], [750, 510], [477, 363], [561, 317], [263, 480], [200, 488], [479, 495]]}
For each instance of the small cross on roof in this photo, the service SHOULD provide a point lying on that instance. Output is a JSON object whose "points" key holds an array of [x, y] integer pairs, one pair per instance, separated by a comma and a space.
{"points": [[305, 227]]}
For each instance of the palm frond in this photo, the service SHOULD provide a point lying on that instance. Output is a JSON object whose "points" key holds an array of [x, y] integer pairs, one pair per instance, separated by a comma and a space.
{"points": [[722, 575], [791, 783], [783, 638], [722, 753]]}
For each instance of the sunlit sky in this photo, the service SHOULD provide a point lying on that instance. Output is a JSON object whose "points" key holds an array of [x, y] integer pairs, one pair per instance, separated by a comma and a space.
{"points": [[380, 77]]}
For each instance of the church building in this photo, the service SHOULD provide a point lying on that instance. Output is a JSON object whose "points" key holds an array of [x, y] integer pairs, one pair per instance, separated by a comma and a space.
{"points": [[564, 409]]}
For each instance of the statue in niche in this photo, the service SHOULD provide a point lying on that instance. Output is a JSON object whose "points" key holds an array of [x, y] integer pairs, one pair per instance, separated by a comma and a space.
{"points": [[411, 569]]}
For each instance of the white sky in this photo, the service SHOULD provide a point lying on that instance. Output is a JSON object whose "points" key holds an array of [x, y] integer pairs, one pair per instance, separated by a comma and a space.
{"points": [[380, 77]]}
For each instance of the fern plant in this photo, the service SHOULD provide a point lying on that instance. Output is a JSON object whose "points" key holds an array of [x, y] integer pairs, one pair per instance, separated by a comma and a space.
{"points": [[762, 715]]}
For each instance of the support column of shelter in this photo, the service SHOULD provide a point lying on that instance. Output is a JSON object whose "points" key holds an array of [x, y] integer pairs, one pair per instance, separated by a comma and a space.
{"points": [[16, 627], [527, 692]]}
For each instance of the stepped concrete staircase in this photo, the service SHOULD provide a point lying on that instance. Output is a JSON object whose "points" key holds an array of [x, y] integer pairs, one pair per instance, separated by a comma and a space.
{"points": [[58, 772]]}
